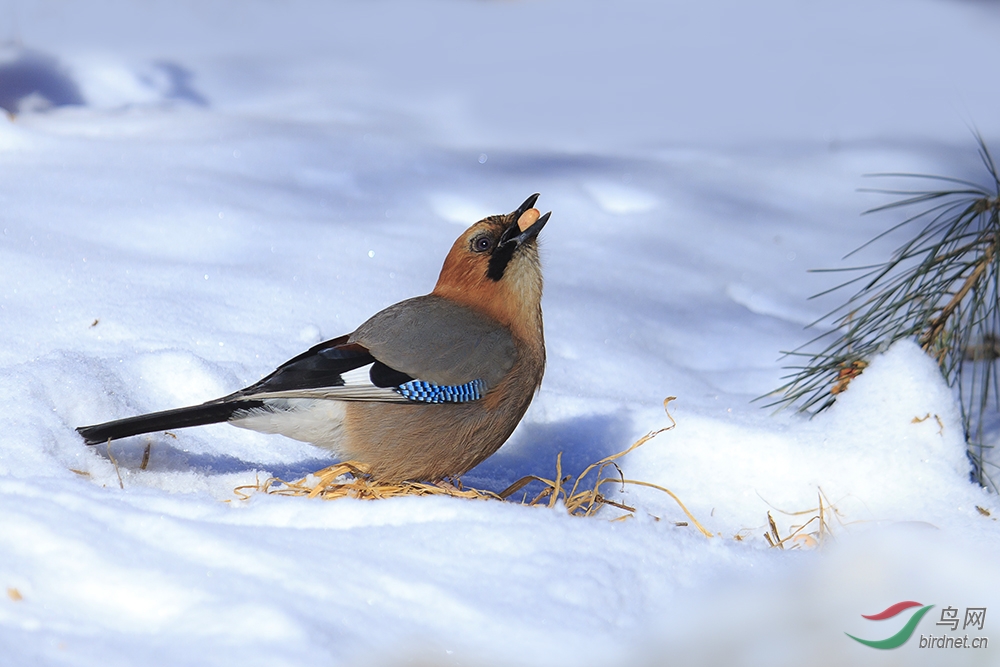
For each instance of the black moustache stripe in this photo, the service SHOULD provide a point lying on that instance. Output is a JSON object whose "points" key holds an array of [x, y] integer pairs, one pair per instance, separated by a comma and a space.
{"points": [[499, 260]]}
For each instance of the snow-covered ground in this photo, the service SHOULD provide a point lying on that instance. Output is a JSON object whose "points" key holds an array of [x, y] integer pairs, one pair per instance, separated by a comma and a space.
{"points": [[194, 192]]}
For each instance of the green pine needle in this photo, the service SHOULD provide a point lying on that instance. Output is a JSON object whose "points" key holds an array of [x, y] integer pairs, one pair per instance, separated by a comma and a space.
{"points": [[940, 288]]}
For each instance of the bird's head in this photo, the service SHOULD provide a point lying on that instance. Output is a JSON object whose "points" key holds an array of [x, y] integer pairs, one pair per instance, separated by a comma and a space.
{"points": [[493, 267]]}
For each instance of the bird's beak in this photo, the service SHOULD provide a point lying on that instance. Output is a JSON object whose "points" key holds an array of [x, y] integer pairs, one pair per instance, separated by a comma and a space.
{"points": [[525, 225], [528, 203]]}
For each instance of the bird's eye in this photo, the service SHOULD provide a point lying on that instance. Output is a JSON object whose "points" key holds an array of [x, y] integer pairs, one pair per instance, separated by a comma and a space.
{"points": [[482, 243]]}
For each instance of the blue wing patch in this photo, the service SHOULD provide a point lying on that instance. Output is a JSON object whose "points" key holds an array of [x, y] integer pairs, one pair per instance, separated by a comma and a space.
{"points": [[428, 392]]}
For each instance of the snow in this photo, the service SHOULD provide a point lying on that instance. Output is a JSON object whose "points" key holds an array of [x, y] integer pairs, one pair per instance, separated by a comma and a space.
{"points": [[234, 183]]}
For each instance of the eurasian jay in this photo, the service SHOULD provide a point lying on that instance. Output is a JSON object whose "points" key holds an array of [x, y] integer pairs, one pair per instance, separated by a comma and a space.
{"points": [[450, 373]]}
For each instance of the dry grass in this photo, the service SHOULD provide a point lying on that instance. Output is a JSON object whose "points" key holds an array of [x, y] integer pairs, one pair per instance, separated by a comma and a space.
{"points": [[815, 532], [351, 480]]}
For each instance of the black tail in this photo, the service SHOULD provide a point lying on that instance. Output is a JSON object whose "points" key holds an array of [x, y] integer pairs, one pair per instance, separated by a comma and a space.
{"points": [[196, 415]]}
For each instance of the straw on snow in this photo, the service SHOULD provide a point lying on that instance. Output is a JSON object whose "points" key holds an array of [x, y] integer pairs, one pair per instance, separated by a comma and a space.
{"points": [[350, 479]]}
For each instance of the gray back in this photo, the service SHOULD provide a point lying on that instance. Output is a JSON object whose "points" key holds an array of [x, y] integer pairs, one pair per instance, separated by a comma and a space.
{"points": [[434, 339]]}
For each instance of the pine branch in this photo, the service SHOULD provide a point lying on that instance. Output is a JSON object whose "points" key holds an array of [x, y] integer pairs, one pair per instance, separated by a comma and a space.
{"points": [[940, 288]]}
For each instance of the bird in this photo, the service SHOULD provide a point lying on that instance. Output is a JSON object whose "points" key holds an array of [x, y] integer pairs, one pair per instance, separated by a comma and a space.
{"points": [[450, 373]]}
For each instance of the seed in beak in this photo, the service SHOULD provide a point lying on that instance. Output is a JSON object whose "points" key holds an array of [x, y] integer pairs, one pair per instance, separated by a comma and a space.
{"points": [[528, 218]]}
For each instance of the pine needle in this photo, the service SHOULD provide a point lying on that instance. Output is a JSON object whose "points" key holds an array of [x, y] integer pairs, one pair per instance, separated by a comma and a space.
{"points": [[940, 288]]}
